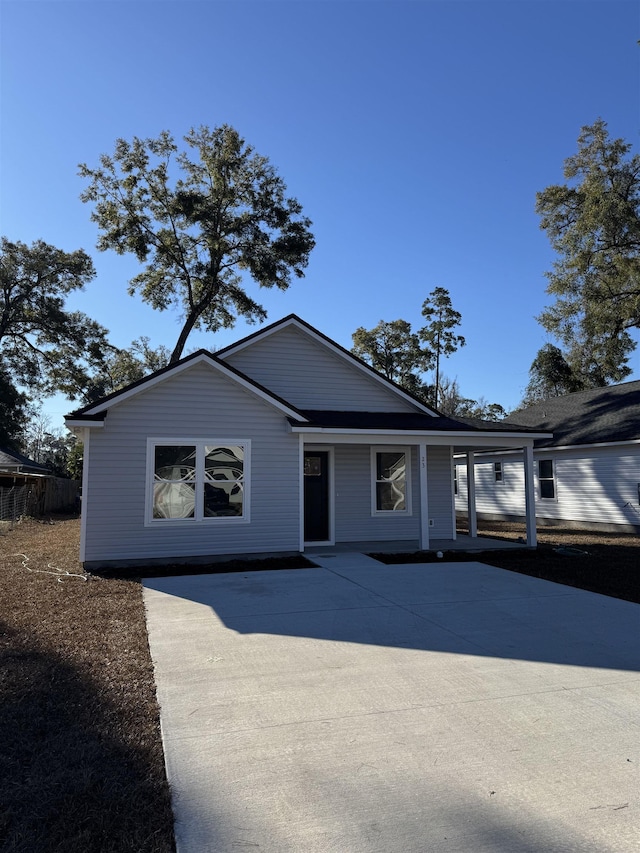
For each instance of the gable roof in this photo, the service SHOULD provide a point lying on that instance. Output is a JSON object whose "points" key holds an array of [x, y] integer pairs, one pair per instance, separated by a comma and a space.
{"points": [[302, 325], [94, 413], [12, 460], [596, 416]]}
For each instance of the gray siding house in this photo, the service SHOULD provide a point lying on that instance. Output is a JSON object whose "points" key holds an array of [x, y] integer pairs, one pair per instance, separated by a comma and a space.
{"points": [[586, 475], [280, 442]]}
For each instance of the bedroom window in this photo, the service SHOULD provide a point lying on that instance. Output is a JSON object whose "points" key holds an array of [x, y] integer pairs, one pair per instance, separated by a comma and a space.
{"points": [[390, 486], [546, 479], [201, 480], [497, 472]]}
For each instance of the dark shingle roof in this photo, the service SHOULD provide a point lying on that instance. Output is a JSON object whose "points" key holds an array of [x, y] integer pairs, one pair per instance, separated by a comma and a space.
{"points": [[10, 460], [398, 421], [586, 417]]}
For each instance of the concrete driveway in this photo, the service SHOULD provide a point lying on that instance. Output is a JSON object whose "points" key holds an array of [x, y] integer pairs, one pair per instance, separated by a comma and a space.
{"points": [[397, 709]]}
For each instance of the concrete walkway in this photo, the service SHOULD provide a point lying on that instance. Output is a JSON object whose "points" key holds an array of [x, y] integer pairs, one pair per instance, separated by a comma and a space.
{"points": [[398, 709]]}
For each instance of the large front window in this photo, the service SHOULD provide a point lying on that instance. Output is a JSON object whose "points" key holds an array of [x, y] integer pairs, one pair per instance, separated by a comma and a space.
{"points": [[198, 480], [390, 469]]}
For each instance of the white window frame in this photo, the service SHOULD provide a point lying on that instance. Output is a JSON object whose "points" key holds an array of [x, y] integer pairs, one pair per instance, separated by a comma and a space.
{"points": [[498, 473], [552, 479], [199, 517], [391, 513]]}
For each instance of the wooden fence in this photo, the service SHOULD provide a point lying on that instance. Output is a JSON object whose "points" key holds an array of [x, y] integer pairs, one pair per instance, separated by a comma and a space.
{"points": [[38, 497]]}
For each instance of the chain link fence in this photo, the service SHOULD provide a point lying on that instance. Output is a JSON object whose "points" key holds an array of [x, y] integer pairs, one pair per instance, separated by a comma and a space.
{"points": [[15, 502], [37, 498]]}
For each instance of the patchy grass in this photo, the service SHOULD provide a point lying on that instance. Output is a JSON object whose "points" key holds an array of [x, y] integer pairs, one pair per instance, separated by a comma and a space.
{"points": [[608, 563], [81, 761]]}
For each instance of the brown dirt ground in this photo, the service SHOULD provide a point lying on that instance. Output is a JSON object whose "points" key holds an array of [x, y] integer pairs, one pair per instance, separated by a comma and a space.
{"points": [[81, 761]]}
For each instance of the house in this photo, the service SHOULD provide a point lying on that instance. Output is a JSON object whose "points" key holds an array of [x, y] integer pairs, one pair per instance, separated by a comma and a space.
{"points": [[17, 466], [281, 441], [586, 474], [28, 488]]}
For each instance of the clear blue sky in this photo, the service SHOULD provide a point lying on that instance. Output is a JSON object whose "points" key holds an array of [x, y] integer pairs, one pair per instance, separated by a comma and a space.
{"points": [[415, 135]]}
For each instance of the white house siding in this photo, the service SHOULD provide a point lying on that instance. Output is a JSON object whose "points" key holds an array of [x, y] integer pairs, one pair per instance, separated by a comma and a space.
{"points": [[353, 497], [309, 375], [199, 403], [596, 485]]}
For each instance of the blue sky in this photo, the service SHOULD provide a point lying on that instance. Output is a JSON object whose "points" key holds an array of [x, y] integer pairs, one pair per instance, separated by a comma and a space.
{"points": [[415, 135]]}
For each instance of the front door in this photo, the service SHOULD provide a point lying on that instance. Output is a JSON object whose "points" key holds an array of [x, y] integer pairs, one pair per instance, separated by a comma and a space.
{"points": [[316, 496]]}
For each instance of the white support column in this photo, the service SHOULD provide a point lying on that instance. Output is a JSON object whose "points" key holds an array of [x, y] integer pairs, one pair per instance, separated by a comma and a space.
{"points": [[453, 496], [530, 496], [471, 495], [301, 492], [424, 498]]}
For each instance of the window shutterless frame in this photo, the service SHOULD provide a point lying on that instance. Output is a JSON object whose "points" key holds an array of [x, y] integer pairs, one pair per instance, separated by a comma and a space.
{"points": [[391, 481], [197, 481], [546, 479]]}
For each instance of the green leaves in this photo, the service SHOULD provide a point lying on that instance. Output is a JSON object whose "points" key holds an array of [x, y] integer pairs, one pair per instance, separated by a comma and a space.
{"points": [[593, 224], [198, 220], [395, 351], [42, 345]]}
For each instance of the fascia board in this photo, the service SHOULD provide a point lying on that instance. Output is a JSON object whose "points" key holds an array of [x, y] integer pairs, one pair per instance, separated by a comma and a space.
{"points": [[484, 440], [78, 423]]}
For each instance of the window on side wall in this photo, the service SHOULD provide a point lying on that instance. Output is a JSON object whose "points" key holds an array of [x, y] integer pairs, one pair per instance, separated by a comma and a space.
{"points": [[546, 479], [497, 472], [197, 480], [391, 492]]}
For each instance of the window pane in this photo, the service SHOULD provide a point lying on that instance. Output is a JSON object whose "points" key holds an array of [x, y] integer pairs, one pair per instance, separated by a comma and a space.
{"points": [[222, 499], [390, 466], [545, 468], [312, 466], [175, 462], [224, 481], [173, 500], [391, 496], [223, 463], [546, 489]]}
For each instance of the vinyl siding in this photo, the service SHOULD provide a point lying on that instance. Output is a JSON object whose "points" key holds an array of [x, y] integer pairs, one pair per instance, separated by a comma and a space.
{"points": [[353, 486], [307, 374], [439, 486], [199, 403], [597, 485]]}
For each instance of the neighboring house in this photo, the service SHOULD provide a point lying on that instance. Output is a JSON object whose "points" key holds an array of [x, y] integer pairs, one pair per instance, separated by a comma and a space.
{"points": [[279, 442], [587, 474], [28, 488], [16, 465]]}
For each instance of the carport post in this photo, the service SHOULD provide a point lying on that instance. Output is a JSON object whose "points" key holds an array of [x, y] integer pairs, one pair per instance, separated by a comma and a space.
{"points": [[424, 498], [471, 494], [530, 496]]}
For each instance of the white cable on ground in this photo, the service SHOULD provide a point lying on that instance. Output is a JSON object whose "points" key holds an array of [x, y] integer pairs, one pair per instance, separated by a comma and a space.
{"points": [[59, 573]]}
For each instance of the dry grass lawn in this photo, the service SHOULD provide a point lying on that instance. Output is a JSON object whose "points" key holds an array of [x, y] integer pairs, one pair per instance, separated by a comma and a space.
{"points": [[81, 762]]}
